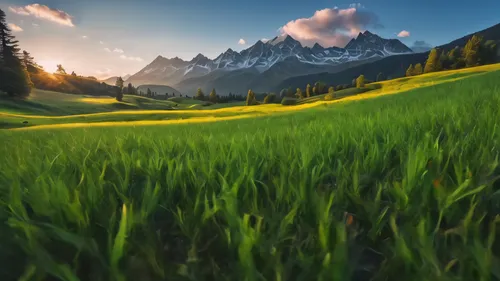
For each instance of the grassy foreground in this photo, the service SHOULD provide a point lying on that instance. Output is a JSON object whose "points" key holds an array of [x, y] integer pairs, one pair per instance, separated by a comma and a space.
{"points": [[402, 187]]}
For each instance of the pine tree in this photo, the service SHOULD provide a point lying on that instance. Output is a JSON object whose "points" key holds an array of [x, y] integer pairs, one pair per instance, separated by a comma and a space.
{"points": [[119, 90], [308, 90], [131, 89], [488, 52], [200, 95], [418, 69], [432, 63], [213, 96], [251, 98], [410, 71], [270, 98], [360, 81], [29, 63], [454, 57], [299, 94], [471, 51], [14, 78]]}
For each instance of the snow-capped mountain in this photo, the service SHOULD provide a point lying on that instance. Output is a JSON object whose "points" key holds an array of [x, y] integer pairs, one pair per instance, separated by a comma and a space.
{"points": [[263, 56]]}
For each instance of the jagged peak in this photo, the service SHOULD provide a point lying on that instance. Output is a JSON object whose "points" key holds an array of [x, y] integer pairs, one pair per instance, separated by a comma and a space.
{"points": [[317, 46]]}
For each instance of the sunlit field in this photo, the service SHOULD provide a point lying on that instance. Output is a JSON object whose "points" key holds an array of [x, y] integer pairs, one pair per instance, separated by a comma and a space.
{"points": [[137, 111], [397, 187]]}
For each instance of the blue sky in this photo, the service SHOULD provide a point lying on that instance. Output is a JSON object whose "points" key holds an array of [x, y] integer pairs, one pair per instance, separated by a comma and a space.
{"points": [[135, 32]]}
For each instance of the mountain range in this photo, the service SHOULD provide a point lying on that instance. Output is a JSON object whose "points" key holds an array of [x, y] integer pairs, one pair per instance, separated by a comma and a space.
{"points": [[283, 62], [390, 67], [265, 64]]}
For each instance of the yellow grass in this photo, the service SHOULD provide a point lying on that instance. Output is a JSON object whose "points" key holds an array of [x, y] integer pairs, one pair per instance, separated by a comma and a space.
{"points": [[386, 88], [98, 100], [206, 119]]}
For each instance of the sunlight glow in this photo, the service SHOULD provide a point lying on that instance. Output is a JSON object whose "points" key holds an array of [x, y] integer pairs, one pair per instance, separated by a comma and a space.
{"points": [[49, 65]]}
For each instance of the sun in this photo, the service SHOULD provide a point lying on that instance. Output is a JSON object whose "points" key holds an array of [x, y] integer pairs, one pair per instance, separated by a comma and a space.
{"points": [[49, 65]]}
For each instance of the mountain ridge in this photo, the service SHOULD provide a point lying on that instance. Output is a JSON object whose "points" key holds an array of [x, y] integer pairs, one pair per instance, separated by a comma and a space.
{"points": [[263, 56]]}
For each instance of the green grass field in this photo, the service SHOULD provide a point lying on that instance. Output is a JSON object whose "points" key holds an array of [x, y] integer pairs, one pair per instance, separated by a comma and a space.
{"points": [[399, 187]]}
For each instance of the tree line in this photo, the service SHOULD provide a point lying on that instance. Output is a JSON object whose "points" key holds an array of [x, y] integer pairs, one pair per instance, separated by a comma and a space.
{"points": [[476, 52]]}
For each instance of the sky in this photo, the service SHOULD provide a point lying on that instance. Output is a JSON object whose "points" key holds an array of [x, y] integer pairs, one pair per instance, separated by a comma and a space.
{"points": [[104, 38]]}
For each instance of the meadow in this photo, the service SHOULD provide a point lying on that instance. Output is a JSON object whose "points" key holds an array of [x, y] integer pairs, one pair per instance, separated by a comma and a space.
{"points": [[399, 183]]}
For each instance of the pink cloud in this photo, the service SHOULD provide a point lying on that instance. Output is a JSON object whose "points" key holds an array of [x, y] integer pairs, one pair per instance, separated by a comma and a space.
{"points": [[404, 33], [44, 12], [15, 27], [330, 27]]}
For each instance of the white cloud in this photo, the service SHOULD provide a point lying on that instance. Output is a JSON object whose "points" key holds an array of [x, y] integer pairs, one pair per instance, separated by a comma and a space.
{"points": [[119, 51], [242, 42], [264, 40], [356, 5], [330, 27], [35, 25], [100, 42], [14, 27], [107, 50], [44, 12], [105, 72], [85, 37], [124, 57], [404, 33]]}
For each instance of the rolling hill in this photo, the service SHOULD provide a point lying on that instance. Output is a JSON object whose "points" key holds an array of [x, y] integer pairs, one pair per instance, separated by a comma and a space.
{"points": [[391, 67]]}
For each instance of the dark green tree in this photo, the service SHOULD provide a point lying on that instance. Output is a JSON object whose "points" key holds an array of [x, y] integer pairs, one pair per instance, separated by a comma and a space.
{"points": [[200, 95], [29, 63], [213, 96], [308, 90], [149, 93], [14, 77], [131, 90], [119, 86], [270, 98], [488, 52]]}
